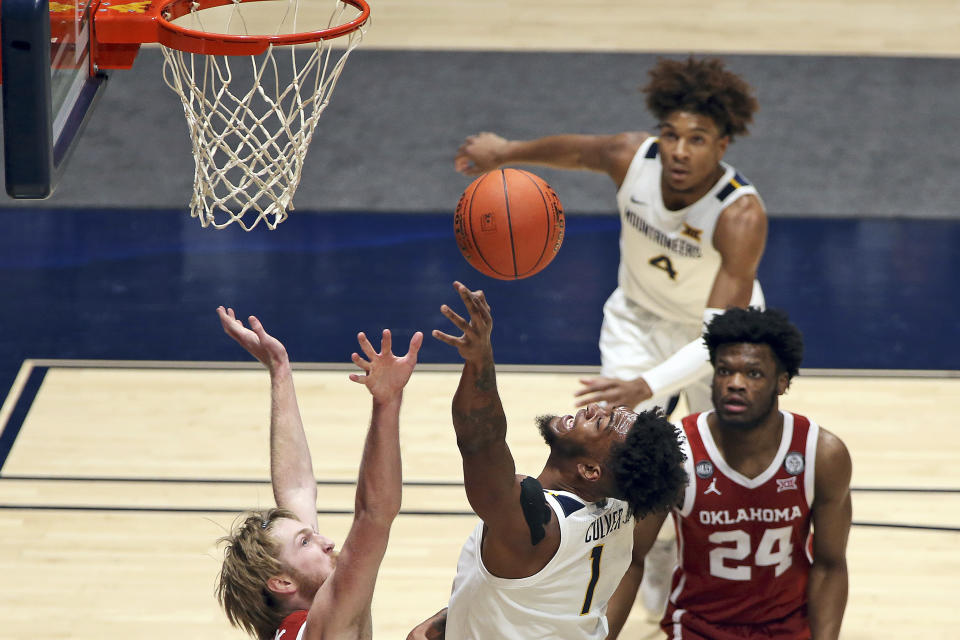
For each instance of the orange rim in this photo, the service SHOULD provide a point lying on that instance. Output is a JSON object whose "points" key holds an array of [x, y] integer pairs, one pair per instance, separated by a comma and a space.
{"points": [[193, 41]]}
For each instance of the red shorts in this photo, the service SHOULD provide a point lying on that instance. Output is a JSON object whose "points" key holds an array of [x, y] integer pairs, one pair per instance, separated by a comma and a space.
{"points": [[795, 626]]}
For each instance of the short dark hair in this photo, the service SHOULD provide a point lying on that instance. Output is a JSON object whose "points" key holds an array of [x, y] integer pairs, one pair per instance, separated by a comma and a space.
{"points": [[704, 87], [771, 327], [647, 466]]}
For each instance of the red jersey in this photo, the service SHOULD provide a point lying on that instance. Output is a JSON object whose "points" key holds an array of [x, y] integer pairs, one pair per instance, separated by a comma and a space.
{"points": [[744, 543], [292, 626]]}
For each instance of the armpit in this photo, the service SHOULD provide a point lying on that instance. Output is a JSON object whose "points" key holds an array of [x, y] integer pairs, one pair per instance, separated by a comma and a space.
{"points": [[536, 511]]}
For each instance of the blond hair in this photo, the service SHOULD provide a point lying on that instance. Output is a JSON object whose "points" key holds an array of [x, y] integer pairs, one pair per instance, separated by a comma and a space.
{"points": [[251, 557]]}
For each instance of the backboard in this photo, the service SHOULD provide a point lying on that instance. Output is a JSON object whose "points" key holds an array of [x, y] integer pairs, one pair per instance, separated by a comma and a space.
{"points": [[49, 86]]}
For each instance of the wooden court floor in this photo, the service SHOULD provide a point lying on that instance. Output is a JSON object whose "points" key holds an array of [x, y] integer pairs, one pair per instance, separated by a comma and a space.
{"points": [[122, 476]]}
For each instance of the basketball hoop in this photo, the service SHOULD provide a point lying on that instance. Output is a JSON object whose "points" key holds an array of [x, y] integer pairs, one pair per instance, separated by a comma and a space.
{"points": [[249, 142]]}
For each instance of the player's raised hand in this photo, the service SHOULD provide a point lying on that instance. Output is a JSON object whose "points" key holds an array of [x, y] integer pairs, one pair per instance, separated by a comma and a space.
{"points": [[474, 344], [260, 344], [479, 153], [384, 374], [613, 391]]}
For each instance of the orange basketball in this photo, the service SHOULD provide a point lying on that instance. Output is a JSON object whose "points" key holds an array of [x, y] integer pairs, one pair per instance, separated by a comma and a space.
{"points": [[509, 224]]}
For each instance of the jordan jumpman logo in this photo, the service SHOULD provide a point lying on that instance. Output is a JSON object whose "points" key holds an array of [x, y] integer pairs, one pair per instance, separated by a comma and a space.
{"points": [[712, 488]]}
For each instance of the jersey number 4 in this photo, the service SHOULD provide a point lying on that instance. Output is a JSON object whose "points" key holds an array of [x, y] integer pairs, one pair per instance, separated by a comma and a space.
{"points": [[774, 550], [664, 263]]}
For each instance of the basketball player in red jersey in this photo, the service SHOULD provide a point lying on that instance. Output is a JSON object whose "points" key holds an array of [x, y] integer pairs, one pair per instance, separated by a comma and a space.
{"points": [[760, 478], [280, 576]]}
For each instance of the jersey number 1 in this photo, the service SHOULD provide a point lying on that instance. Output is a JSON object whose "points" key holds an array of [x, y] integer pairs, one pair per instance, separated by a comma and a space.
{"points": [[595, 554]]}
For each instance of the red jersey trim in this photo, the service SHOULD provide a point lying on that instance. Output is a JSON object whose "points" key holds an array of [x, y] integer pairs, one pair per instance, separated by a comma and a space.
{"points": [[292, 626]]}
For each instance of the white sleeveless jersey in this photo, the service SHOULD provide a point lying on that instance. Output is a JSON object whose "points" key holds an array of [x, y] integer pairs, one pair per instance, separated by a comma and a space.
{"points": [[667, 259], [567, 599]]}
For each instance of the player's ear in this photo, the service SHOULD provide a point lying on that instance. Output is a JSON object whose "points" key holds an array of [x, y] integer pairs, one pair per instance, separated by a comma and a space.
{"points": [[589, 470], [723, 143], [281, 583], [783, 381]]}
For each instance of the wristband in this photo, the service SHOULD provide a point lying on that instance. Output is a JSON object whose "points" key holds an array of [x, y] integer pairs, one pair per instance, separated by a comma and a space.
{"points": [[688, 364]]}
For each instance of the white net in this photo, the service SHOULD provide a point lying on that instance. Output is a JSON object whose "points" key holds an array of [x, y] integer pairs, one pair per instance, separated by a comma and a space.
{"points": [[251, 125]]}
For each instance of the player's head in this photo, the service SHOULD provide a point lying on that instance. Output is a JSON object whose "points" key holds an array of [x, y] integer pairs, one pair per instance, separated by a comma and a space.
{"points": [[702, 87], [700, 107], [647, 466], [755, 354], [273, 563], [619, 454]]}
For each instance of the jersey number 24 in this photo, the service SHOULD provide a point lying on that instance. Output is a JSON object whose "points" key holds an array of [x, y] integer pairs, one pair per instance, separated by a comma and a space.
{"points": [[774, 550]]}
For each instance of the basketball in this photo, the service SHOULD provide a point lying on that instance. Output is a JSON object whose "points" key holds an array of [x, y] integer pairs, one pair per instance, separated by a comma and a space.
{"points": [[509, 224]]}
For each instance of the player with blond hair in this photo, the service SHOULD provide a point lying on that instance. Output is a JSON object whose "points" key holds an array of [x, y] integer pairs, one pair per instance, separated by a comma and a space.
{"points": [[280, 575]]}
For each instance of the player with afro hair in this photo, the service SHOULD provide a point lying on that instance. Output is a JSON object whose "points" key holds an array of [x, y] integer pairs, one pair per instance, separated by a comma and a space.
{"points": [[771, 327], [692, 233], [701, 86], [648, 466]]}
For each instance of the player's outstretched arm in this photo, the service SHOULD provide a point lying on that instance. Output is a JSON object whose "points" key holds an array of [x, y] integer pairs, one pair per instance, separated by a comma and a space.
{"points": [[343, 601], [831, 515], [291, 469], [621, 602], [385, 376], [606, 154], [489, 473]]}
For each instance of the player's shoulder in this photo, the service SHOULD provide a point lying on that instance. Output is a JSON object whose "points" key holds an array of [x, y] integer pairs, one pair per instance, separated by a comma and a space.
{"points": [[733, 182], [833, 458], [831, 447], [748, 206], [738, 197], [744, 217], [617, 151]]}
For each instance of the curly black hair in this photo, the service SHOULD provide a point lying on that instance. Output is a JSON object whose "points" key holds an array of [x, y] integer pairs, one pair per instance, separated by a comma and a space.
{"points": [[703, 87], [647, 466], [770, 327]]}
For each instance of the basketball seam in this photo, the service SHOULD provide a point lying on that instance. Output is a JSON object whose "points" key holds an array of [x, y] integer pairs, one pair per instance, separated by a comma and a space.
{"points": [[473, 237], [546, 210], [506, 201]]}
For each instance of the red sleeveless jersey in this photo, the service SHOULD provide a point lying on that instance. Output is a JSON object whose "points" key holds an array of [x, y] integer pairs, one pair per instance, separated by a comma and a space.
{"points": [[292, 626], [744, 543]]}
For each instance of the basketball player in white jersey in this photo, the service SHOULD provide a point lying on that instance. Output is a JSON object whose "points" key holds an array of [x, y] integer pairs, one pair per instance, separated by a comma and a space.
{"points": [[693, 231], [281, 577], [549, 551], [750, 566]]}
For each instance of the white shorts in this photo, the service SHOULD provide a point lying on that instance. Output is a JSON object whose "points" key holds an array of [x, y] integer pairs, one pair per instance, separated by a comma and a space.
{"points": [[633, 340]]}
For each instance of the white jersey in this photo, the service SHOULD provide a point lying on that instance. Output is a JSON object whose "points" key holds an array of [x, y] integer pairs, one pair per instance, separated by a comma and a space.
{"points": [[567, 599], [667, 259]]}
